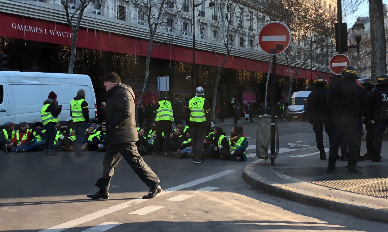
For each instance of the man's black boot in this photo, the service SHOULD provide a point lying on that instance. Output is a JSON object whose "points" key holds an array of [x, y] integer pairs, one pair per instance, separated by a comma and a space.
{"points": [[322, 155], [153, 192], [331, 166], [353, 170], [376, 158], [101, 194]]}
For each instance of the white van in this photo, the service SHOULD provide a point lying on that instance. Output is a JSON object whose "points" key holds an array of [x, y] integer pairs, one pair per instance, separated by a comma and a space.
{"points": [[296, 109], [22, 94]]}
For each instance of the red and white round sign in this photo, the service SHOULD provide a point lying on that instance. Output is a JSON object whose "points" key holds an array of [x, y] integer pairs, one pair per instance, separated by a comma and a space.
{"points": [[274, 38], [339, 62]]}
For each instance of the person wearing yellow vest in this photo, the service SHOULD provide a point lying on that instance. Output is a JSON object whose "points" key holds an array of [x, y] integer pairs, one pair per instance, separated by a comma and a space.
{"points": [[219, 141], [31, 139], [49, 114], [238, 144], [164, 118], [6, 136], [199, 122], [79, 112]]}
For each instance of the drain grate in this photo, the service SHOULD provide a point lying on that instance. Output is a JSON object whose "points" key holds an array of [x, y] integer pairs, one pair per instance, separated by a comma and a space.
{"points": [[377, 187]]}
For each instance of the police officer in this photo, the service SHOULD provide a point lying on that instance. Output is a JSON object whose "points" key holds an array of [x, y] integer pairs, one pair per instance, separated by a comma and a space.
{"points": [[199, 121], [379, 104], [369, 120], [318, 113], [164, 118], [346, 102], [79, 112]]}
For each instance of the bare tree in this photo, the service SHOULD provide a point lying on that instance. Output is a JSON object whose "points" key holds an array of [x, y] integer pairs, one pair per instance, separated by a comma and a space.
{"points": [[227, 12], [74, 14], [156, 14]]}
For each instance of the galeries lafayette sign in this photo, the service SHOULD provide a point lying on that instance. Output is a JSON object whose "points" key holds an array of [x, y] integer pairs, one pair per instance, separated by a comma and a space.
{"points": [[40, 30]]}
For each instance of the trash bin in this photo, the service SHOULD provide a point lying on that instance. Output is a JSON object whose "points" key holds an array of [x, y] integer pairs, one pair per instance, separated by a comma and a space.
{"points": [[263, 138]]}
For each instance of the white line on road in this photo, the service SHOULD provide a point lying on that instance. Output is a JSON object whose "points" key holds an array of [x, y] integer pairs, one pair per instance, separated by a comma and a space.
{"points": [[285, 149], [207, 189], [310, 154], [147, 210], [251, 147], [115, 208], [103, 227], [180, 197], [274, 38], [343, 64]]}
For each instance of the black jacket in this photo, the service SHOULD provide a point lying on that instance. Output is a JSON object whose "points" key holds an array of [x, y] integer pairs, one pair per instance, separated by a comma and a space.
{"points": [[347, 99], [120, 115], [85, 108], [317, 102]]}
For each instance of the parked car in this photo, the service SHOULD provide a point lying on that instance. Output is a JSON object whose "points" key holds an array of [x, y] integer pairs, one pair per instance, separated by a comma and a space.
{"points": [[296, 109]]}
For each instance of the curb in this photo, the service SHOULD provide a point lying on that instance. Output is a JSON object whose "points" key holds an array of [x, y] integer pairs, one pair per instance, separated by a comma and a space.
{"points": [[262, 183]]}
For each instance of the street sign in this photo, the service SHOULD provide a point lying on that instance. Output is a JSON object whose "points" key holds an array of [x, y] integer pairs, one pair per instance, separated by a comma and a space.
{"points": [[339, 62], [274, 38]]}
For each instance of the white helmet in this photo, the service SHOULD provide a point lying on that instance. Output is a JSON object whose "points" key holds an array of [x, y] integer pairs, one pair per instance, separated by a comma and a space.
{"points": [[199, 91]]}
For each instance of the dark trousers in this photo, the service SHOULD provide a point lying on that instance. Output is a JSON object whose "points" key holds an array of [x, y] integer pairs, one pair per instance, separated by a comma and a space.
{"points": [[114, 154], [370, 135], [381, 123], [198, 135], [80, 129], [175, 144], [50, 136], [319, 122], [159, 138], [345, 129], [227, 156]]}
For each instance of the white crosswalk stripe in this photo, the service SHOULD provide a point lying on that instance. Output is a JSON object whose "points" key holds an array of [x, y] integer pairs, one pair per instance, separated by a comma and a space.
{"points": [[146, 210], [180, 197], [103, 227]]}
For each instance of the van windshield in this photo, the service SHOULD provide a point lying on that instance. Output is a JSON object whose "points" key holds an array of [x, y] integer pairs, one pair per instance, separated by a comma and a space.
{"points": [[300, 100]]}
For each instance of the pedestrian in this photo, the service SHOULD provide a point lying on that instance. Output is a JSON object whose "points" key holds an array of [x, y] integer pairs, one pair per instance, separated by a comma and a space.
{"points": [[369, 121], [79, 112], [121, 139], [199, 123], [380, 106], [346, 103], [224, 110], [318, 113], [6, 136], [49, 114], [236, 112], [164, 118]]}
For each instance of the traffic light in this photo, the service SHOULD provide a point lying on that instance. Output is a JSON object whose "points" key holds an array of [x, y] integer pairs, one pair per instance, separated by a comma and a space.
{"points": [[343, 38], [3, 61]]}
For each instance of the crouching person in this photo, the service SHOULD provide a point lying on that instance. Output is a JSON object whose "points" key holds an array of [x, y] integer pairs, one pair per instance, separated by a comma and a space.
{"points": [[219, 141], [97, 141], [142, 144], [238, 144], [186, 149]]}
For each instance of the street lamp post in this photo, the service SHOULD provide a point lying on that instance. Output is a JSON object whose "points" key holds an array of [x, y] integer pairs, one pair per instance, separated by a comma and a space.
{"points": [[358, 30], [194, 76]]}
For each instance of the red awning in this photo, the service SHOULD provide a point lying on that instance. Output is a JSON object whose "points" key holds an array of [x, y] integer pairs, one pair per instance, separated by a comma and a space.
{"points": [[49, 32]]}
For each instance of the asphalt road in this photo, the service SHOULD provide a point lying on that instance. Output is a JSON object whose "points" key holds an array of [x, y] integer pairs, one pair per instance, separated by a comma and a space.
{"points": [[45, 193]]}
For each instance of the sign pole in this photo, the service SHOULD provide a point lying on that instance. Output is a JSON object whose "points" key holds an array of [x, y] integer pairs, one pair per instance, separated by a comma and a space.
{"points": [[273, 111]]}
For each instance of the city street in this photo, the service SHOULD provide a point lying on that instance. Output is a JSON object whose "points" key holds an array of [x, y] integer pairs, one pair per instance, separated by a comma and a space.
{"points": [[48, 193]]}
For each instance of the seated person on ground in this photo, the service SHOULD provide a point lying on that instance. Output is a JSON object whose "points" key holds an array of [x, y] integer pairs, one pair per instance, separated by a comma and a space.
{"points": [[6, 136], [238, 144], [185, 148], [219, 141], [97, 141], [142, 144], [176, 139], [23, 139]]}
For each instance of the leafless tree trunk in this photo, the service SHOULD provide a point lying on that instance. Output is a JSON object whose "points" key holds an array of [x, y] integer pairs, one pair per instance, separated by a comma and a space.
{"points": [[378, 56], [74, 21]]}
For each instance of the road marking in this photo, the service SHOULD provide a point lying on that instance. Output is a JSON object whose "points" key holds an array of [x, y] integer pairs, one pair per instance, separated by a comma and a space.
{"points": [[251, 155], [274, 38], [285, 149], [310, 154], [103, 227], [251, 147], [208, 188], [180, 197], [115, 208], [147, 210], [343, 64]]}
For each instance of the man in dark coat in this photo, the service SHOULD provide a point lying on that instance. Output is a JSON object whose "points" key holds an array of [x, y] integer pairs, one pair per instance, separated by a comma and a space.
{"points": [[121, 139], [318, 113]]}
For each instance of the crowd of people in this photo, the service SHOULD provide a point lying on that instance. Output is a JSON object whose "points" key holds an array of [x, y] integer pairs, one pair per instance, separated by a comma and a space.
{"points": [[342, 110]]}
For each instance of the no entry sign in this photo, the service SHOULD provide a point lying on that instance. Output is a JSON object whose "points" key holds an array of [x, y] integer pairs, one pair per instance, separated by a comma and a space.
{"points": [[339, 62], [274, 38]]}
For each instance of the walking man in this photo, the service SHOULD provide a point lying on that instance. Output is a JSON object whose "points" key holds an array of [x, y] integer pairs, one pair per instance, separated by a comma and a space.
{"points": [[79, 112], [199, 122], [121, 139]]}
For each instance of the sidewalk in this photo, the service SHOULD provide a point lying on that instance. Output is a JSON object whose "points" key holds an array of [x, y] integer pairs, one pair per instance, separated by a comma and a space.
{"points": [[303, 178]]}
